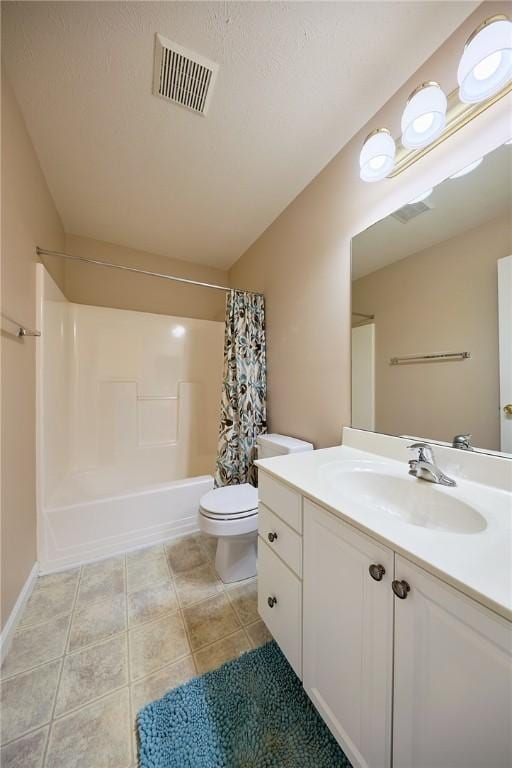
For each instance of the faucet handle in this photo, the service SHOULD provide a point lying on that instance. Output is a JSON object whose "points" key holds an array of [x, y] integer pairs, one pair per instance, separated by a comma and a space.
{"points": [[423, 449], [463, 442]]}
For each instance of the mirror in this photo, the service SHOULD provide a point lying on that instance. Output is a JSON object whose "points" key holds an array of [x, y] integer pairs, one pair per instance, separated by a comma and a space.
{"points": [[432, 315]]}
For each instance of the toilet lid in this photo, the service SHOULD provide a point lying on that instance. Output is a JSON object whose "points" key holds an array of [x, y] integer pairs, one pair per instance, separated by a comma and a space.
{"points": [[230, 500]]}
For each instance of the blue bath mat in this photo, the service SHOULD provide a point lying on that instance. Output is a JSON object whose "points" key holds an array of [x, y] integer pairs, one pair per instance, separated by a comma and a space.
{"points": [[250, 713]]}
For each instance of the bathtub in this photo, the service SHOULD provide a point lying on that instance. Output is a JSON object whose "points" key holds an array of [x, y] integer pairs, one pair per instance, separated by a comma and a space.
{"points": [[98, 514]]}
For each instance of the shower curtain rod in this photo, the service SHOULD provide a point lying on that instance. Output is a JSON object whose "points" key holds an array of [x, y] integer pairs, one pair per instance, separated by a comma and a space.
{"points": [[44, 252]]}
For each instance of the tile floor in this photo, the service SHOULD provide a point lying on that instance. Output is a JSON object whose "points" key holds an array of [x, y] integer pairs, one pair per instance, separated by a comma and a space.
{"points": [[97, 643]]}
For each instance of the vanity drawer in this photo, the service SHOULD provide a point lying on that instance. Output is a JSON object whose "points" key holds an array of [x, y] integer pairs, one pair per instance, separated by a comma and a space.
{"points": [[284, 618], [280, 499], [280, 538]]}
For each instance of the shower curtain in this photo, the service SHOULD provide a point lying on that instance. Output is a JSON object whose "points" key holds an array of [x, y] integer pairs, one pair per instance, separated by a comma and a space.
{"points": [[244, 389]]}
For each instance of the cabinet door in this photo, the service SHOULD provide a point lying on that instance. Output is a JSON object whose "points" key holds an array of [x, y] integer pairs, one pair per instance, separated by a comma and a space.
{"points": [[348, 635], [453, 678], [283, 614]]}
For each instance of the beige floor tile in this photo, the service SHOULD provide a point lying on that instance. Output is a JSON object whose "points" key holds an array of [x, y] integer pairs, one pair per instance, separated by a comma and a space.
{"points": [[105, 578], [223, 650], [210, 620], [92, 673], [50, 598], [97, 736], [97, 621], [62, 578], [151, 603], [184, 554], [209, 544], [155, 645], [36, 645], [197, 584], [27, 700], [258, 633], [146, 573], [145, 555], [244, 598], [155, 686], [27, 752]]}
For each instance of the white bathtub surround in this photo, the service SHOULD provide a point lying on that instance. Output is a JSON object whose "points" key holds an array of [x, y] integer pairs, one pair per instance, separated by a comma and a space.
{"points": [[127, 406], [391, 598]]}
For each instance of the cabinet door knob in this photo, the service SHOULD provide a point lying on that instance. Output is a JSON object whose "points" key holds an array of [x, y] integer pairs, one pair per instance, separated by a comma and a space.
{"points": [[272, 536], [507, 409], [377, 571], [271, 601], [400, 588]]}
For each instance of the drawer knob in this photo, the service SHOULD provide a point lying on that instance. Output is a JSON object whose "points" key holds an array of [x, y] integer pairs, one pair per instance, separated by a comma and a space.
{"points": [[271, 601], [377, 571], [272, 536], [400, 588]]}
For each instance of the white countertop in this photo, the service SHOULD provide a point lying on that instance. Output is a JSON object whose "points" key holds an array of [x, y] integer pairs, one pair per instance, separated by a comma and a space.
{"points": [[477, 563]]}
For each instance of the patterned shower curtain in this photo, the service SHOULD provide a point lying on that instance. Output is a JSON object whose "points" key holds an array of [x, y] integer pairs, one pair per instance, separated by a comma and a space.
{"points": [[244, 389]]}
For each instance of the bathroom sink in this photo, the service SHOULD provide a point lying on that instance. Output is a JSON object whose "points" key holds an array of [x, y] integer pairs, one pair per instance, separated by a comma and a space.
{"points": [[372, 486]]}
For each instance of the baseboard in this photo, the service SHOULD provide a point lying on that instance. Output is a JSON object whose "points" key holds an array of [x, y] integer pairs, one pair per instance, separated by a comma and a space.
{"points": [[9, 629]]}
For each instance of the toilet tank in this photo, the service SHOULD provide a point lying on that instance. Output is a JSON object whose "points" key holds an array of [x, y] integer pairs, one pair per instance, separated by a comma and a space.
{"points": [[277, 445]]}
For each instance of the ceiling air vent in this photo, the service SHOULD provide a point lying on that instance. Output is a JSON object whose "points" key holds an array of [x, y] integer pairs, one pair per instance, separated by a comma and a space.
{"points": [[182, 76], [411, 210]]}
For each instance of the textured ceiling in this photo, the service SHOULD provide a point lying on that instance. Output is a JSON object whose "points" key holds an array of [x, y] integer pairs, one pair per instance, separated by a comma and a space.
{"points": [[296, 81]]}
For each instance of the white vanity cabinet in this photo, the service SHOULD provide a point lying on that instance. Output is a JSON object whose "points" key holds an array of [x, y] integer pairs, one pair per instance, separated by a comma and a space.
{"points": [[407, 671], [280, 566], [348, 635], [452, 678]]}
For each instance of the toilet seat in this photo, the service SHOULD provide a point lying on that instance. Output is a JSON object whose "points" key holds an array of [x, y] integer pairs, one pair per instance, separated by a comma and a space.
{"points": [[232, 502], [230, 511]]}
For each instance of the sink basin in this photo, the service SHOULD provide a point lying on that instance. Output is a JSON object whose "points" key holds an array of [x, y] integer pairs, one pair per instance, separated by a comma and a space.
{"points": [[369, 485]]}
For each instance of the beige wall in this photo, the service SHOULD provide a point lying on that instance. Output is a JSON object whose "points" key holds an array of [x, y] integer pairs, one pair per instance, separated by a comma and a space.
{"points": [[443, 298], [302, 261], [89, 284], [29, 217]]}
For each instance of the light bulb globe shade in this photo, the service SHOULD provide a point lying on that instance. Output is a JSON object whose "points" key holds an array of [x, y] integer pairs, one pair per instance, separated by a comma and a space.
{"points": [[377, 156], [424, 116], [486, 64]]}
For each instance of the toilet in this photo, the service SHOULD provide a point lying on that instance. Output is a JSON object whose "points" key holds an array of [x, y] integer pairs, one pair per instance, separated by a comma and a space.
{"points": [[230, 514]]}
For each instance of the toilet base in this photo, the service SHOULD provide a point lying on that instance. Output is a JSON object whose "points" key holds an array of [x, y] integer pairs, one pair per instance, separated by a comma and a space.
{"points": [[236, 557]]}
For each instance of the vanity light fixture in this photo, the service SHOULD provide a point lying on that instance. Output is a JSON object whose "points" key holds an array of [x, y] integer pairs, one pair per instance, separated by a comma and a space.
{"points": [[424, 116], [421, 197], [377, 156], [178, 331], [467, 169], [484, 77], [486, 64]]}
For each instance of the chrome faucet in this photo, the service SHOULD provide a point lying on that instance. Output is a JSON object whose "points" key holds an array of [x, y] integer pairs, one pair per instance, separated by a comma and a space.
{"points": [[462, 442], [425, 467]]}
